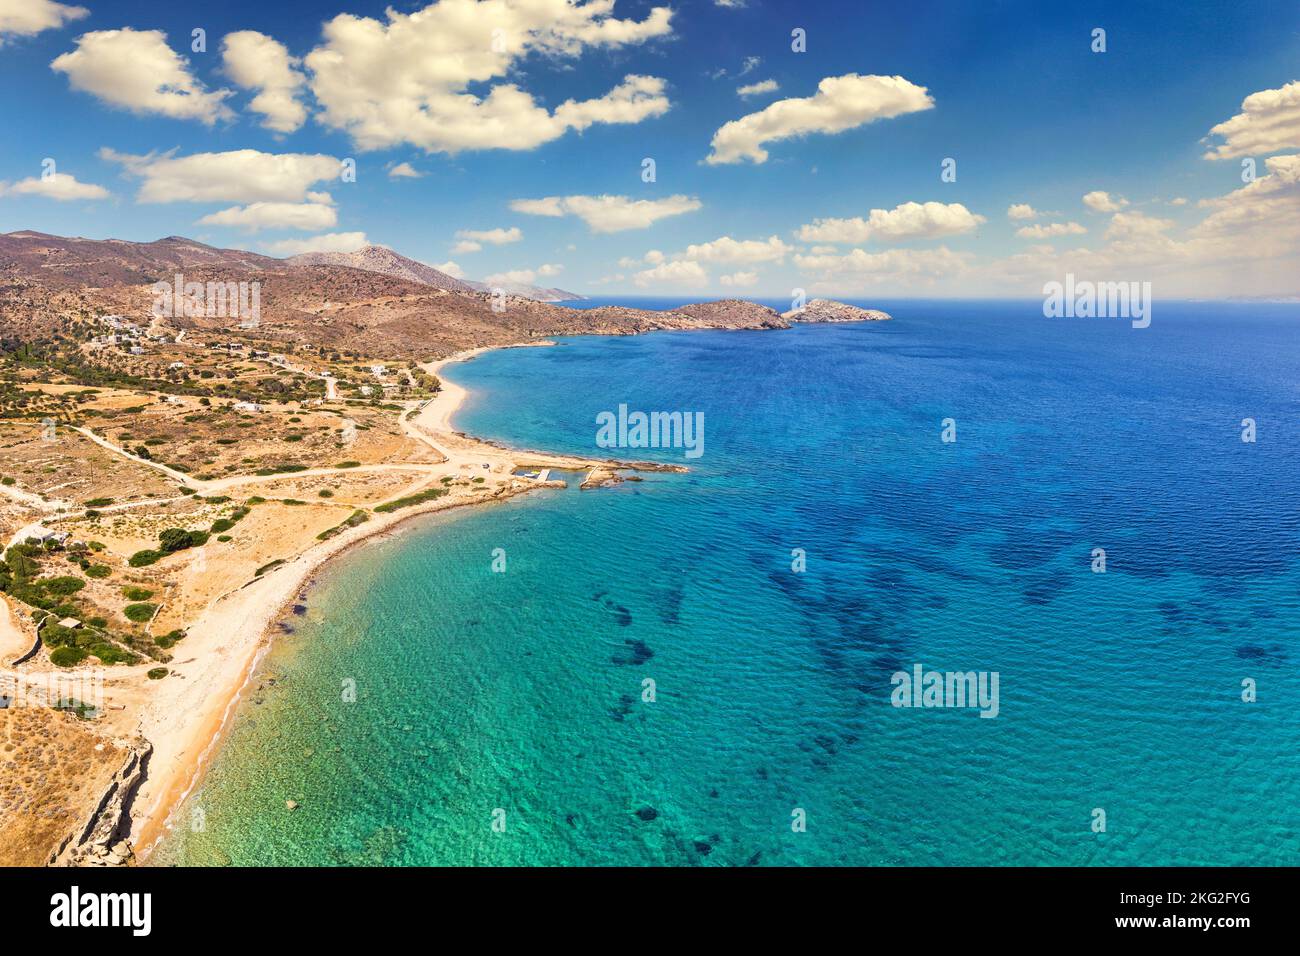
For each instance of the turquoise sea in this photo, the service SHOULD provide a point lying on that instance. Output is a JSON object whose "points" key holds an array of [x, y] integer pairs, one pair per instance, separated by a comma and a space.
{"points": [[517, 697]]}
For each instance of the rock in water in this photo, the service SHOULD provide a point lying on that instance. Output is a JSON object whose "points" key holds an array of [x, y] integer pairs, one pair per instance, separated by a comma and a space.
{"points": [[828, 310]]}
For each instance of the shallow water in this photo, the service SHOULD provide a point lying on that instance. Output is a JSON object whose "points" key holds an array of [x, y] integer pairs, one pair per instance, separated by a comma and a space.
{"points": [[517, 696]]}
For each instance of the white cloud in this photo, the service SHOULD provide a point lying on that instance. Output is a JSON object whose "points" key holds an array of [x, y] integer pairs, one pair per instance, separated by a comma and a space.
{"points": [[857, 267], [726, 249], [755, 89], [255, 61], [1136, 225], [608, 213], [408, 80], [1178, 201], [496, 237], [1269, 121], [241, 175], [841, 103], [911, 220], [25, 18], [404, 171], [1100, 201], [1021, 210], [1265, 212], [137, 70], [680, 272], [739, 280], [524, 276], [329, 242], [274, 215], [1051, 230], [60, 186], [451, 269], [465, 246]]}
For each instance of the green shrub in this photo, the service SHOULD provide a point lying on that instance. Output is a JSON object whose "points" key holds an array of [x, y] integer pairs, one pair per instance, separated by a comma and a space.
{"points": [[222, 524], [267, 567], [67, 656], [53, 634], [348, 464], [356, 518], [111, 654], [325, 493], [280, 470], [429, 494], [139, 612], [62, 586], [224, 537], [132, 593], [98, 571], [98, 502], [169, 639], [142, 559], [156, 673], [178, 539]]}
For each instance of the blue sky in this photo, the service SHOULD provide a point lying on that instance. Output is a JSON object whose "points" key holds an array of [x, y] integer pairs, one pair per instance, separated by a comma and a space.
{"points": [[1012, 91]]}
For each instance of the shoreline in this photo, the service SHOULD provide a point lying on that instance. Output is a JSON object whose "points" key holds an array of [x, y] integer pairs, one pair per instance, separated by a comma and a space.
{"points": [[186, 721], [187, 718]]}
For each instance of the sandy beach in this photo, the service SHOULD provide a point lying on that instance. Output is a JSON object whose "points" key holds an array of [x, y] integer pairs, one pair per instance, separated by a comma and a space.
{"points": [[184, 717]]}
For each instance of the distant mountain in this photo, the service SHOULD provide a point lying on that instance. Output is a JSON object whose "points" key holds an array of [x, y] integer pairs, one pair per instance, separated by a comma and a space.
{"points": [[57, 261], [385, 261], [528, 291]]}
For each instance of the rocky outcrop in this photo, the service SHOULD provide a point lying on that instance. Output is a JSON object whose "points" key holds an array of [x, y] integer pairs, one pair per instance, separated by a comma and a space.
{"points": [[828, 310], [102, 840]]}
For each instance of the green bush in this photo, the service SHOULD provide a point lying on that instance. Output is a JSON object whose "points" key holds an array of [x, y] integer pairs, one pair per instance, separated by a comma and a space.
{"points": [[178, 539], [429, 494], [98, 571], [54, 634], [142, 559], [156, 673], [224, 537], [325, 493], [170, 638], [67, 656], [111, 654], [139, 612], [348, 464], [132, 593], [98, 502], [222, 524], [62, 586]]}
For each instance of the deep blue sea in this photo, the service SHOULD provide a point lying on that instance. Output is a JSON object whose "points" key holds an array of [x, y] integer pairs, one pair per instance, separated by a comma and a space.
{"points": [[500, 717]]}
